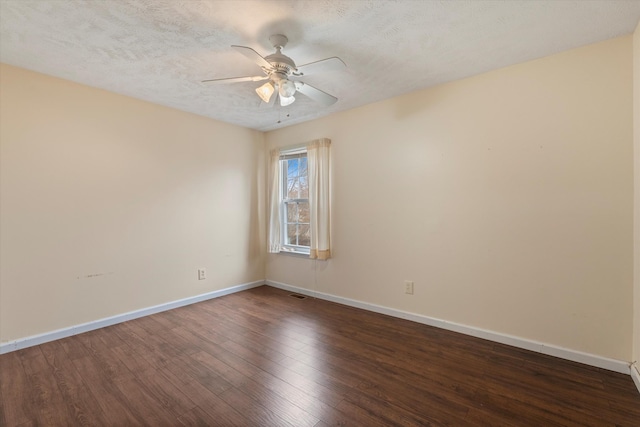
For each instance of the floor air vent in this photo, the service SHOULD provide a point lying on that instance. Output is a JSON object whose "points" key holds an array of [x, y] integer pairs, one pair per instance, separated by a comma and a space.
{"points": [[298, 296]]}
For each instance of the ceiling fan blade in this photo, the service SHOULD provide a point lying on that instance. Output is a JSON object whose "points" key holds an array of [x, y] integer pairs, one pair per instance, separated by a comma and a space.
{"points": [[316, 94], [253, 56], [235, 80], [328, 64]]}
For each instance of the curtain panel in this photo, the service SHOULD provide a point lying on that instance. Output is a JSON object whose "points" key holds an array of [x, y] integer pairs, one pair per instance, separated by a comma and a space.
{"points": [[274, 243], [318, 158]]}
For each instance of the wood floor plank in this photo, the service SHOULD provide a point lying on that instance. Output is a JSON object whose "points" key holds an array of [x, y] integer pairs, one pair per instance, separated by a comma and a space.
{"points": [[202, 373], [112, 402], [314, 383], [436, 404], [283, 408], [144, 405], [362, 415], [625, 414], [212, 417], [166, 336], [139, 346], [110, 338], [230, 375], [33, 360], [14, 383], [74, 348], [261, 357], [255, 412], [163, 392], [75, 395], [215, 413], [205, 399], [222, 353], [527, 410], [196, 417], [307, 396], [109, 364], [45, 396], [131, 358]]}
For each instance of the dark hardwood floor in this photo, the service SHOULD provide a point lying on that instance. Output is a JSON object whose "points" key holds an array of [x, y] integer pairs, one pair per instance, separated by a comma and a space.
{"points": [[264, 358]]}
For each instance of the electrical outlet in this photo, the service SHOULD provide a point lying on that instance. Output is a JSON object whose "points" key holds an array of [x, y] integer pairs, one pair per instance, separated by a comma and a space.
{"points": [[408, 287], [202, 274]]}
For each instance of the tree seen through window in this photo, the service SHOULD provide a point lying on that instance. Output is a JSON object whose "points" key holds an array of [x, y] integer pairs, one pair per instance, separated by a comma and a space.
{"points": [[296, 201]]}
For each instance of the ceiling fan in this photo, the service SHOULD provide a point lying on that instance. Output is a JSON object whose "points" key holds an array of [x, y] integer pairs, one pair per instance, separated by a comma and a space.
{"points": [[277, 69]]}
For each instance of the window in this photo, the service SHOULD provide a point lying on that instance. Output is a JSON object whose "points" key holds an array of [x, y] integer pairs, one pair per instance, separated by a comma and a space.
{"points": [[299, 201], [294, 204]]}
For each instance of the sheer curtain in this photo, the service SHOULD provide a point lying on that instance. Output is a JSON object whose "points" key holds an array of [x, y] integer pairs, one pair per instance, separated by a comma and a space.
{"points": [[274, 201], [318, 157]]}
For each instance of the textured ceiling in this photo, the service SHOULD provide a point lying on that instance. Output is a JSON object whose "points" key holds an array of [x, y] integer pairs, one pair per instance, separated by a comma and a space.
{"points": [[160, 50]]}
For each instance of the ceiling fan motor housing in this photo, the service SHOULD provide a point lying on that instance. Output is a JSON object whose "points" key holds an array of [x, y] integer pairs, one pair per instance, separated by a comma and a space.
{"points": [[281, 63]]}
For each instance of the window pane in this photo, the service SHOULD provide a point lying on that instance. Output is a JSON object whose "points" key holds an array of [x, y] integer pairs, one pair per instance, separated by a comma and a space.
{"points": [[292, 168], [292, 234], [304, 187], [304, 239], [293, 188], [303, 212], [303, 167], [292, 212]]}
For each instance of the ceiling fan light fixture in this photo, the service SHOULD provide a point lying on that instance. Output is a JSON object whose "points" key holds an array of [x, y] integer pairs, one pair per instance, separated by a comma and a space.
{"points": [[265, 91], [286, 100], [287, 89]]}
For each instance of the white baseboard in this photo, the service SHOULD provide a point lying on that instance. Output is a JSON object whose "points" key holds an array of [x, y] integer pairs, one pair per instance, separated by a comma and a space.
{"points": [[552, 350], [564, 353], [108, 321], [635, 375]]}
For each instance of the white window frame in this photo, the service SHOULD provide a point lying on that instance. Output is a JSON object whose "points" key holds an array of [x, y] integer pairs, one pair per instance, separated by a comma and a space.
{"points": [[287, 155]]}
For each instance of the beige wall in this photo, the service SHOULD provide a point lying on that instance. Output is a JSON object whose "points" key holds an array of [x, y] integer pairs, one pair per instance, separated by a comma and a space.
{"points": [[110, 204], [507, 197], [636, 138]]}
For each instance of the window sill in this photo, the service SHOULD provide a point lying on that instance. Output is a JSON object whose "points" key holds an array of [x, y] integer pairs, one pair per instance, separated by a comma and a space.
{"points": [[298, 254]]}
